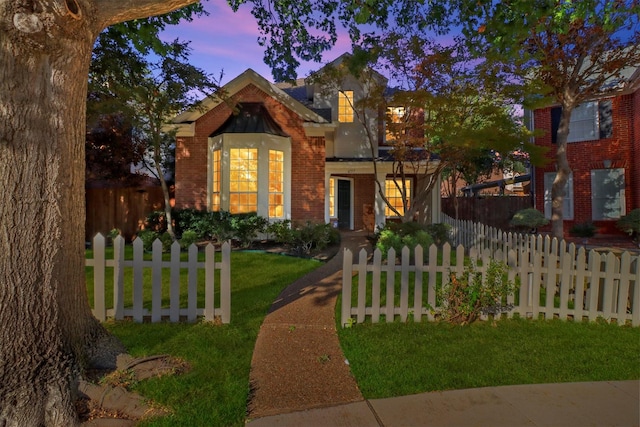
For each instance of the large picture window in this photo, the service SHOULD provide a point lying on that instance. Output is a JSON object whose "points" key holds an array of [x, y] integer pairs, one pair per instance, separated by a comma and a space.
{"points": [[250, 173], [607, 193], [393, 192], [345, 106], [567, 203]]}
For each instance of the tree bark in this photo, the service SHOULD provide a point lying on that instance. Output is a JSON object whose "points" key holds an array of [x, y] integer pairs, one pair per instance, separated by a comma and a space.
{"points": [[48, 333], [562, 174]]}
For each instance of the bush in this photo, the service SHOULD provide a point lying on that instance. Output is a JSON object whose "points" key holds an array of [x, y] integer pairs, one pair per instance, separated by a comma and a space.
{"points": [[630, 223], [281, 232], [585, 229], [148, 237], [410, 234], [439, 233], [188, 238], [245, 227], [305, 238], [466, 297], [528, 219]]}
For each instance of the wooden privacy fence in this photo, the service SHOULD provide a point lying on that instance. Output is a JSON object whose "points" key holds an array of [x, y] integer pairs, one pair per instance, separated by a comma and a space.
{"points": [[574, 286], [148, 294]]}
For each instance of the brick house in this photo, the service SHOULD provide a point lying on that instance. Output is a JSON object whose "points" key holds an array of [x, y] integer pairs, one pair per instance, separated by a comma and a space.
{"points": [[603, 151], [286, 152]]}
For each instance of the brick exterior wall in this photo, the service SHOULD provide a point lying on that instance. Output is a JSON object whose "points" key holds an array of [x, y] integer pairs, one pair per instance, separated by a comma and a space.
{"points": [[308, 157], [622, 148]]}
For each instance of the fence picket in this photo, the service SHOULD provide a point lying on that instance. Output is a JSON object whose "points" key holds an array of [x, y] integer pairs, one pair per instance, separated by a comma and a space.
{"points": [[209, 282], [594, 284], [390, 294], [99, 265], [417, 284], [362, 285], [192, 286], [375, 286], [431, 288], [225, 283], [156, 281], [347, 274], [404, 285], [118, 278], [174, 294], [138, 254]]}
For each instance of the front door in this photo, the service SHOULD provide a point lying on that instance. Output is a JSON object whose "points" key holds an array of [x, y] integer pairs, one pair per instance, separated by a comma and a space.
{"points": [[344, 204]]}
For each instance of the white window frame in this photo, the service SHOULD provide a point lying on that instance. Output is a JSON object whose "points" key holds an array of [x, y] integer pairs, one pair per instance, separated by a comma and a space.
{"points": [[584, 125], [264, 143], [567, 209], [346, 111], [391, 182], [615, 200]]}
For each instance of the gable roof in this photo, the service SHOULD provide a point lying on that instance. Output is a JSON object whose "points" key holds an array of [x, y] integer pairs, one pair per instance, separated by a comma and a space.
{"points": [[252, 117], [184, 121]]}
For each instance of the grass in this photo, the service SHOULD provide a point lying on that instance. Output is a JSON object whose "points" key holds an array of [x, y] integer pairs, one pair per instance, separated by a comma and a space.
{"points": [[405, 358], [214, 391]]}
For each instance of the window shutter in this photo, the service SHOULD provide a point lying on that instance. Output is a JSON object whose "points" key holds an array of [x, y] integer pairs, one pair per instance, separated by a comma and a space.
{"points": [[556, 112], [605, 119]]}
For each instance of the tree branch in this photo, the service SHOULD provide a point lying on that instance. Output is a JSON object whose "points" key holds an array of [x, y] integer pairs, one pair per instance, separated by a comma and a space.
{"points": [[109, 12]]}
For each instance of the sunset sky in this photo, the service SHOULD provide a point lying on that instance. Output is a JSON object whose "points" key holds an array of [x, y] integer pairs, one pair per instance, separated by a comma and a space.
{"points": [[228, 41]]}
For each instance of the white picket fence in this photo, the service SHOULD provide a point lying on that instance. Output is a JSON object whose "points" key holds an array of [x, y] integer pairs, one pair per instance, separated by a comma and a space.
{"points": [[587, 286], [154, 268]]}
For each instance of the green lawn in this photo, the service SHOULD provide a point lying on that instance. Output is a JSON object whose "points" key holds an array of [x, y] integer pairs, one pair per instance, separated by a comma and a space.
{"points": [[406, 358], [214, 391]]}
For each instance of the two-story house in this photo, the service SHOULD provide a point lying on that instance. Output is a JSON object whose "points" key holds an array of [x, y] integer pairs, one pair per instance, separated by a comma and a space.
{"points": [[287, 152], [603, 151]]}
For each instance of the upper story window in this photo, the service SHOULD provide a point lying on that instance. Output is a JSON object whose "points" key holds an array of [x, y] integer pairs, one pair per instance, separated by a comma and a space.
{"points": [[607, 193], [345, 106], [589, 121], [395, 115]]}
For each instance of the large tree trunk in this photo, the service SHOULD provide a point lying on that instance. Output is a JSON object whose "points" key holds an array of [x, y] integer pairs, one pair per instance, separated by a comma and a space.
{"points": [[47, 333], [562, 174]]}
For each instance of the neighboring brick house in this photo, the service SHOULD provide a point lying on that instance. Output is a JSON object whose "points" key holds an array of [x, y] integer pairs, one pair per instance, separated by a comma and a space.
{"points": [[603, 151], [284, 152]]}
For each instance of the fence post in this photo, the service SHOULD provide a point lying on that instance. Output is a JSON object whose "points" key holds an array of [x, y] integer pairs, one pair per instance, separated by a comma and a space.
{"points": [[156, 277], [99, 309], [192, 287], [209, 282], [174, 294], [138, 255], [347, 266], [225, 283]]}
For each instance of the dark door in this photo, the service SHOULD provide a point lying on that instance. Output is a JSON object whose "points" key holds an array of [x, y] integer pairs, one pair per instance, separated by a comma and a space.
{"points": [[344, 203]]}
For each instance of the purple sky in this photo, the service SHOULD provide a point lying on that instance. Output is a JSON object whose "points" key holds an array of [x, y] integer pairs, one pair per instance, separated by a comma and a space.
{"points": [[228, 41]]}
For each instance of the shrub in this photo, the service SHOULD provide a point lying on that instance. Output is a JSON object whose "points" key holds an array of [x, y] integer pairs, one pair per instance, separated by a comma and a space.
{"points": [[155, 221], [468, 296], [281, 232], [439, 232], [247, 226], [409, 234], [528, 219], [148, 237], [166, 240], [630, 223], [585, 229], [188, 238]]}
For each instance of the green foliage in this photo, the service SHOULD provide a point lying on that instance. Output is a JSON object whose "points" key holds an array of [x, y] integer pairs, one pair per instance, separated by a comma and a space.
{"points": [[188, 238], [585, 229], [528, 219], [304, 238], [469, 295], [247, 226], [630, 223], [147, 236], [439, 232], [399, 235]]}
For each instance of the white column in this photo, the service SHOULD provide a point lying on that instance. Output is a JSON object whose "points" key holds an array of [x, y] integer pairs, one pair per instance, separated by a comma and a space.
{"points": [[380, 205]]}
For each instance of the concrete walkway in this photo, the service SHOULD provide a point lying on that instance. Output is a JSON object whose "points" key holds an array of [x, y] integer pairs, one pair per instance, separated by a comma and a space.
{"points": [[595, 404], [299, 378]]}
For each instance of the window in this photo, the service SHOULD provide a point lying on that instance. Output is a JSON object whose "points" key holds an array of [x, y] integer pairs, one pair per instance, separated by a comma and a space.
{"points": [[394, 115], [607, 193], [332, 198], [589, 121], [215, 185], [584, 123], [276, 184], [345, 106], [393, 192], [567, 208], [243, 180]]}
